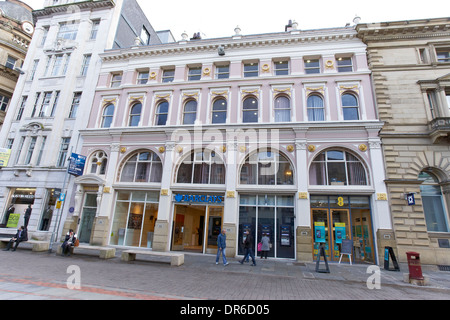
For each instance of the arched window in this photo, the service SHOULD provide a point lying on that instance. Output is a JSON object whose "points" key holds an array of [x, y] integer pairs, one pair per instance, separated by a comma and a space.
{"points": [[202, 167], [336, 167], [143, 166], [190, 112], [315, 107], [162, 112], [250, 110], [107, 117], [433, 203], [267, 168], [135, 115], [282, 109], [219, 111], [350, 106], [99, 161]]}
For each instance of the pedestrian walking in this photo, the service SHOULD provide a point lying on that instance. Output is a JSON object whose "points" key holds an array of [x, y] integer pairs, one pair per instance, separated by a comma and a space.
{"points": [[221, 246], [21, 235], [27, 215], [265, 246], [248, 247]]}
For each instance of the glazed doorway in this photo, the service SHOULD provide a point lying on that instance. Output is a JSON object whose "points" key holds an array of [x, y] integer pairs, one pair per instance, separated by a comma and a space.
{"points": [[196, 228], [88, 217]]}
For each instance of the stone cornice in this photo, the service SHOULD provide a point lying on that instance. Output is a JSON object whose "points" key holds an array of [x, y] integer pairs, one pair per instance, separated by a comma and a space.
{"points": [[82, 5], [404, 30], [251, 41]]}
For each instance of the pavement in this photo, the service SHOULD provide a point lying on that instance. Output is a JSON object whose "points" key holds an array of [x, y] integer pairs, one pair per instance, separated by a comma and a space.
{"points": [[27, 275]]}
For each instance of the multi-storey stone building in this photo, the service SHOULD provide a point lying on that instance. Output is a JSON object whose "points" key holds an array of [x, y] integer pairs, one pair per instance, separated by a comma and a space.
{"points": [[410, 61], [16, 30], [276, 134], [53, 99]]}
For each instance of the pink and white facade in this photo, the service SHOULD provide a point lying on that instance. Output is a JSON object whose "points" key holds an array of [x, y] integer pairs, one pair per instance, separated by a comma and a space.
{"points": [[274, 133]]}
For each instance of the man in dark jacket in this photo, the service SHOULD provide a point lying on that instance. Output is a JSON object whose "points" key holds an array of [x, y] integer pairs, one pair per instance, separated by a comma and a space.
{"points": [[221, 245], [248, 246], [68, 243], [20, 236]]}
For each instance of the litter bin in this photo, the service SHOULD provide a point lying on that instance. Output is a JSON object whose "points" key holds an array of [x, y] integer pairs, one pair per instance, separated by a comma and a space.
{"points": [[415, 268]]}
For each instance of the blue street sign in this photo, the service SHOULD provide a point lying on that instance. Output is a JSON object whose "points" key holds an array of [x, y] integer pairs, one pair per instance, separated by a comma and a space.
{"points": [[411, 199]]}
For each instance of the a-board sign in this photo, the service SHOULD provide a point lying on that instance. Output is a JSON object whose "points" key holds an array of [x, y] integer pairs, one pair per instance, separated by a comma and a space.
{"points": [[347, 247]]}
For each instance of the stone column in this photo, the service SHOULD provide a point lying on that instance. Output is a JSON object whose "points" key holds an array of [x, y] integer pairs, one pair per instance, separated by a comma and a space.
{"points": [[161, 240]]}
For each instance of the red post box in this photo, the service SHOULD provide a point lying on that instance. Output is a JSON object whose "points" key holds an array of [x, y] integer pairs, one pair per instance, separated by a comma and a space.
{"points": [[415, 268]]}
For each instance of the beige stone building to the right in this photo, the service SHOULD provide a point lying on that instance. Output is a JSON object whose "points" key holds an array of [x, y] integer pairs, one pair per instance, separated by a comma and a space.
{"points": [[410, 61]]}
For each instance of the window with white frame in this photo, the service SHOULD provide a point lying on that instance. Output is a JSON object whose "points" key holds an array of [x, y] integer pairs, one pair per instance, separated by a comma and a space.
{"points": [[85, 65], [168, 75], [75, 105], [21, 108], [98, 163], [202, 167], [281, 68], [267, 167], [30, 150], [142, 77], [10, 62], [63, 150], [222, 71], [219, 111], [33, 70], [315, 106], [41, 151], [433, 202], [4, 100], [135, 115], [162, 113], [344, 64], [144, 166], [312, 66], [250, 110], [68, 31], [350, 106], [251, 69], [107, 116], [94, 30], [443, 55], [282, 109], [337, 167], [194, 73], [116, 80], [190, 112]]}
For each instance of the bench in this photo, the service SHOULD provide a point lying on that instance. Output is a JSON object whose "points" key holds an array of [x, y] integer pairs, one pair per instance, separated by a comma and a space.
{"points": [[38, 246], [176, 259], [103, 252]]}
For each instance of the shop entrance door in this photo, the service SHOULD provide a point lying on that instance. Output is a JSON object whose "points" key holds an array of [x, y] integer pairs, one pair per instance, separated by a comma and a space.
{"points": [[189, 226], [362, 236], [331, 226], [87, 217], [196, 228]]}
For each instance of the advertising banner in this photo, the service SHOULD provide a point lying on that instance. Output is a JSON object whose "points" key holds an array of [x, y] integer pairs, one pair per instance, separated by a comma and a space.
{"points": [[13, 220], [76, 165], [5, 154]]}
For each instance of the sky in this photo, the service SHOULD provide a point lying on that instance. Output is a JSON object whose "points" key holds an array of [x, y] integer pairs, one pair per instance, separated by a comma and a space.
{"points": [[216, 19]]}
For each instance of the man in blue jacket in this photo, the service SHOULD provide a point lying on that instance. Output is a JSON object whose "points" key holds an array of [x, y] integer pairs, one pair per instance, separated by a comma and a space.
{"points": [[221, 245]]}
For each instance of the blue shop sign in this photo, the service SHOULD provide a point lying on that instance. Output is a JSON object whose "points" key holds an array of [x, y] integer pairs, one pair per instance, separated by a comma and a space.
{"points": [[76, 164], [198, 198]]}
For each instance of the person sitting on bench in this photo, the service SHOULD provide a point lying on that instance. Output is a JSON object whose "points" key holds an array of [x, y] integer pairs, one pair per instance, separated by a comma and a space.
{"points": [[68, 243], [20, 236]]}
